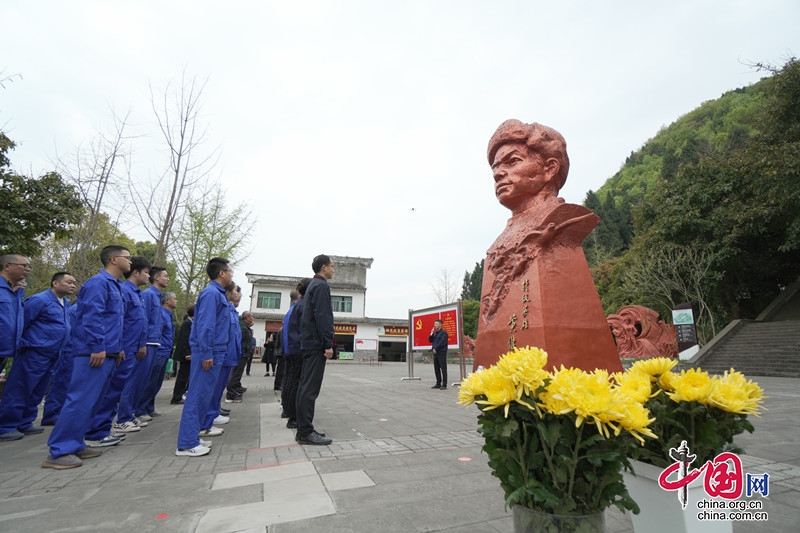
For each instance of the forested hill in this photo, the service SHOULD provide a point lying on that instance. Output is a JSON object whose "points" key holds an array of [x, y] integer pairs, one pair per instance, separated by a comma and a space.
{"points": [[714, 125], [707, 210]]}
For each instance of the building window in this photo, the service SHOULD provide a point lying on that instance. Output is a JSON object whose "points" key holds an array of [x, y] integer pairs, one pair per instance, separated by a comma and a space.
{"points": [[342, 304], [269, 300]]}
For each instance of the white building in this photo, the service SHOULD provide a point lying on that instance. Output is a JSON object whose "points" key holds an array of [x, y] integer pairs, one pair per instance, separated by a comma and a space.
{"points": [[355, 335]]}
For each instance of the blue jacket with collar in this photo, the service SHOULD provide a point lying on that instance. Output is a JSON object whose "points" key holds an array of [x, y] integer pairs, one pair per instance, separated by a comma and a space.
{"points": [[167, 333], [47, 325], [210, 333], [235, 334], [98, 326], [134, 333], [151, 297], [11, 318]]}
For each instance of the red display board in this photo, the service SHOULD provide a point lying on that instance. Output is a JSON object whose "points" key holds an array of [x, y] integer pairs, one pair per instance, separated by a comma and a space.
{"points": [[422, 323]]}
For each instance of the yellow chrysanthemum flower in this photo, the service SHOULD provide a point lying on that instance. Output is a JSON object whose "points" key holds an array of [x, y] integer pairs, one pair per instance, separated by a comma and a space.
{"points": [[634, 383], [691, 385], [525, 368], [734, 393], [498, 389], [635, 419], [471, 386], [655, 367], [588, 395]]}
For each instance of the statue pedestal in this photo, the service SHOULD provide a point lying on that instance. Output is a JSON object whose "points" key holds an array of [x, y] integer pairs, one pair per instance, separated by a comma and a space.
{"points": [[552, 305]]}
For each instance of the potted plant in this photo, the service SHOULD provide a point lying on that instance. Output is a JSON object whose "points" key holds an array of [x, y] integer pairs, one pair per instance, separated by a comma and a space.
{"points": [[557, 441], [706, 412]]}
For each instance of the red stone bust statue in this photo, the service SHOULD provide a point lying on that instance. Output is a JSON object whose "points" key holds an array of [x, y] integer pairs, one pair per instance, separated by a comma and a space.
{"points": [[537, 288]]}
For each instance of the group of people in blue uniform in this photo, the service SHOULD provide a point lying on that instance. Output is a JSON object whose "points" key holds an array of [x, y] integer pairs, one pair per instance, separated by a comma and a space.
{"points": [[101, 361]]}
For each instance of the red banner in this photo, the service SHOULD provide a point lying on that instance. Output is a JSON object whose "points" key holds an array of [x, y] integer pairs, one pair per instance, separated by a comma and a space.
{"points": [[422, 322], [344, 329]]}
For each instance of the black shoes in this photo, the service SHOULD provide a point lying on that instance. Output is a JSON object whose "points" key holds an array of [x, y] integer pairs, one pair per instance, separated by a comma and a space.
{"points": [[292, 424], [443, 387], [314, 439], [438, 385], [176, 402]]}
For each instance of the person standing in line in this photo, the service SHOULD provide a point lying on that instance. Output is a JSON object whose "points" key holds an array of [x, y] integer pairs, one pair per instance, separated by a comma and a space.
{"points": [[248, 343], [234, 350], [316, 343], [122, 392], [97, 347], [169, 302], [152, 298], [62, 374], [439, 340], [14, 268], [45, 332], [183, 357], [209, 341], [293, 358]]}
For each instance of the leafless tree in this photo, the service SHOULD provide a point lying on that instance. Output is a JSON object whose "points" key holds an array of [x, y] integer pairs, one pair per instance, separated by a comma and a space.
{"points": [[674, 274], [446, 287], [208, 230], [161, 202], [100, 172]]}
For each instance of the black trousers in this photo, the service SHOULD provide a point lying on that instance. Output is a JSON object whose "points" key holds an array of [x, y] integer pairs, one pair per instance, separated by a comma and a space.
{"points": [[440, 368], [292, 368], [308, 390], [236, 376], [279, 370], [181, 380]]}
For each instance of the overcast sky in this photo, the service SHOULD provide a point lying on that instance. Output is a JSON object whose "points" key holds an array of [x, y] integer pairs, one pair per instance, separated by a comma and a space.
{"points": [[360, 127]]}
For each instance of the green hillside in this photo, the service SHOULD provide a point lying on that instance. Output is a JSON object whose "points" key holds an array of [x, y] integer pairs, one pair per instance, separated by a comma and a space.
{"points": [[706, 210]]}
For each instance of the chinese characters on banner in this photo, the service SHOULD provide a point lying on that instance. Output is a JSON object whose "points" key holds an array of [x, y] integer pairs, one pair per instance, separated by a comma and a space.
{"points": [[422, 323]]}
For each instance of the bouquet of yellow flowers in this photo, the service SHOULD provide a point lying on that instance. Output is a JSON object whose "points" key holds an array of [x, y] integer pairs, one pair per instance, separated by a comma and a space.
{"points": [[705, 411], [558, 441]]}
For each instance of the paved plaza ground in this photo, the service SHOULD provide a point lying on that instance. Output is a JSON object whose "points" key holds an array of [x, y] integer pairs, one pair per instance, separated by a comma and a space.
{"points": [[404, 458]]}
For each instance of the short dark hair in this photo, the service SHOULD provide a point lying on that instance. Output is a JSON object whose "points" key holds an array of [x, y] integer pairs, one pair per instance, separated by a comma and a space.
{"points": [[190, 310], [320, 261], [302, 285], [8, 258], [139, 263], [58, 276], [154, 271], [439, 320], [110, 251], [215, 266]]}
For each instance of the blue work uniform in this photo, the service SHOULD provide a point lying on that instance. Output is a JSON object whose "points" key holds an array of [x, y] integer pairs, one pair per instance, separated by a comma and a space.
{"points": [[118, 399], [147, 403], [232, 356], [44, 333], [151, 298], [208, 341], [62, 374], [11, 320], [97, 328]]}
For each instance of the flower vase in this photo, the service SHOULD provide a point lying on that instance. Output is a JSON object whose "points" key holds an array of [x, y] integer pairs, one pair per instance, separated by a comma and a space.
{"points": [[530, 521], [661, 511]]}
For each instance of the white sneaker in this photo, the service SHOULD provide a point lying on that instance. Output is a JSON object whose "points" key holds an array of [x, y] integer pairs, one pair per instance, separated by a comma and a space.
{"points": [[145, 418], [126, 427], [197, 451], [206, 443], [222, 420], [141, 423], [211, 432]]}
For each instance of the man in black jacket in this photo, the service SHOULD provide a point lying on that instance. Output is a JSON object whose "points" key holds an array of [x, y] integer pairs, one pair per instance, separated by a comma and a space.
{"points": [[439, 340], [183, 356], [316, 344]]}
